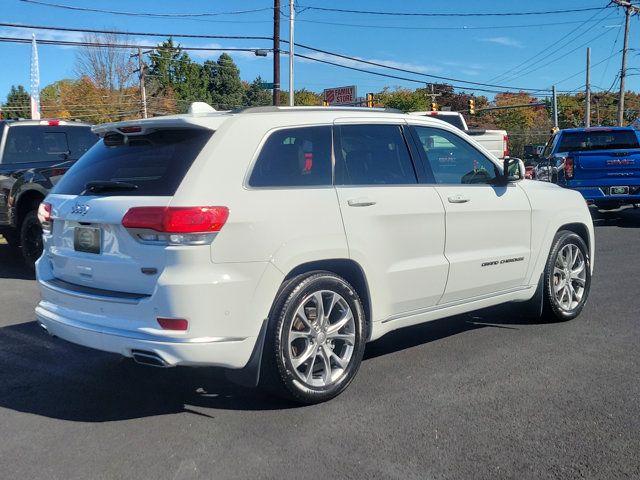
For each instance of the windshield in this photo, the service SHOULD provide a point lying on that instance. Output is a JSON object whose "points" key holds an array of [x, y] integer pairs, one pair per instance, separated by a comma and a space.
{"points": [[154, 164], [598, 140]]}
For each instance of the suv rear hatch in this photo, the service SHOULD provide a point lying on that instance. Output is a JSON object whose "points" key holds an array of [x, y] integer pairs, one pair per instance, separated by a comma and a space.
{"points": [[89, 245], [46, 141], [602, 154]]}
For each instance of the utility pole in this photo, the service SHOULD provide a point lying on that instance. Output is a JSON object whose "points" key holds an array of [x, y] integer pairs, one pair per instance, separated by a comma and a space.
{"points": [[292, 13], [587, 107], [554, 106], [141, 77], [629, 9], [433, 95], [623, 70], [276, 52], [143, 89]]}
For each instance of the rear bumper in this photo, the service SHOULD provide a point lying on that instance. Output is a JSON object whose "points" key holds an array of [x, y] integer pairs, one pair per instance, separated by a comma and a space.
{"points": [[599, 195], [212, 351], [225, 305]]}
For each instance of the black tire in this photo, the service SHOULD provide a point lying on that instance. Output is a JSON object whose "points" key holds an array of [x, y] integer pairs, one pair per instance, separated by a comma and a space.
{"points": [[553, 308], [31, 239], [279, 376]]}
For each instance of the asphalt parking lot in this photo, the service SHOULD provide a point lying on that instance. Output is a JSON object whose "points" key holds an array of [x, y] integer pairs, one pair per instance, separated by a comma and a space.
{"points": [[486, 395]]}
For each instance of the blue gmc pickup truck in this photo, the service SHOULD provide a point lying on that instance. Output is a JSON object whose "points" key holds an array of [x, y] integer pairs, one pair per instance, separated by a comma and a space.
{"points": [[602, 163]]}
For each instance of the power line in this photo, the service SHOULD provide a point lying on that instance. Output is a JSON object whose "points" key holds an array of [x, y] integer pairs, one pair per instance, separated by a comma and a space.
{"points": [[584, 70], [604, 72], [533, 67], [397, 77], [462, 27], [142, 14], [377, 64], [177, 35], [456, 14], [123, 45], [134, 34], [553, 45]]}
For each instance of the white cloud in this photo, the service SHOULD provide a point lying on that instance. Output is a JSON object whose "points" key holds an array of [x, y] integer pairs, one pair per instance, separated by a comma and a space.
{"points": [[506, 41]]}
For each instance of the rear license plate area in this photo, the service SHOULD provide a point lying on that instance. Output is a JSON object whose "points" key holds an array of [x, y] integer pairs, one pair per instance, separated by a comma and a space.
{"points": [[87, 239], [619, 190]]}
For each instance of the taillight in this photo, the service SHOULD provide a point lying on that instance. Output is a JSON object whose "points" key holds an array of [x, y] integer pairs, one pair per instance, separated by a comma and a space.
{"points": [[176, 225], [568, 167], [505, 145], [173, 323], [44, 216]]}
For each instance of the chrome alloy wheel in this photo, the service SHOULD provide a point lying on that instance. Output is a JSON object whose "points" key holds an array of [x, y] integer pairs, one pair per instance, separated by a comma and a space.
{"points": [[321, 339], [569, 277]]}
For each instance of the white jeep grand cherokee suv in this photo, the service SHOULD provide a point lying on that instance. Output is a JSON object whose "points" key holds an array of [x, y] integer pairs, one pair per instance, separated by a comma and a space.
{"points": [[277, 242]]}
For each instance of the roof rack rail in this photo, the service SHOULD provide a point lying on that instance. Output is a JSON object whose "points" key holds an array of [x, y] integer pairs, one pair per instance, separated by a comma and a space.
{"points": [[274, 108]]}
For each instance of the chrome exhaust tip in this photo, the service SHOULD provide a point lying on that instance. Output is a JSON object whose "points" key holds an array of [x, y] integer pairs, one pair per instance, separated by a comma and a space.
{"points": [[44, 327], [149, 359]]}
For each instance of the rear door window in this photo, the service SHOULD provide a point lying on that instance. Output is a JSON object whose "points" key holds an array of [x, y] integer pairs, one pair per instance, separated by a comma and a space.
{"points": [[373, 155], [42, 143], [294, 157], [156, 163]]}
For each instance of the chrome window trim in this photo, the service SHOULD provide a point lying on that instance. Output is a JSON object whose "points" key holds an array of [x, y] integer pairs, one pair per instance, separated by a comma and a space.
{"points": [[256, 154]]}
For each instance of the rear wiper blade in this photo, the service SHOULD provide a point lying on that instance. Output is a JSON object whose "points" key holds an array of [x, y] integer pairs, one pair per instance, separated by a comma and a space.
{"points": [[107, 185]]}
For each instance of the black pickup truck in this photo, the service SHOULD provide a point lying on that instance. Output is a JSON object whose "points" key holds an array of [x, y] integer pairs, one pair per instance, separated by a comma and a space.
{"points": [[34, 154]]}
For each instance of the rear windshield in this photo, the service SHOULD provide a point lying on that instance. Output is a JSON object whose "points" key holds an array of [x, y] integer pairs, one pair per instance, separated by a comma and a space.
{"points": [[598, 140], [43, 143], [156, 163], [454, 120]]}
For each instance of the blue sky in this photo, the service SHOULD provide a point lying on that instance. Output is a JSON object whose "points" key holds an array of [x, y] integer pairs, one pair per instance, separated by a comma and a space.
{"points": [[465, 51]]}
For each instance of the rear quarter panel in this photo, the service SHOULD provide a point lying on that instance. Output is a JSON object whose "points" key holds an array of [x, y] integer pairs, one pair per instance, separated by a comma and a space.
{"points": [[284, 227]]}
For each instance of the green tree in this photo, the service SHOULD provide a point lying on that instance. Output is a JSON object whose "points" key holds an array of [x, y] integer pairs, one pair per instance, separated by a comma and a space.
{"points": [[225, 86], [403, 99], [255, 95], [18, 104], [307, 98], [176, 76]]}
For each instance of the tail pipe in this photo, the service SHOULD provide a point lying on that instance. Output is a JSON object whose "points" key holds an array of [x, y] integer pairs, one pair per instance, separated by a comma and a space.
{"points": [[149, 359]]}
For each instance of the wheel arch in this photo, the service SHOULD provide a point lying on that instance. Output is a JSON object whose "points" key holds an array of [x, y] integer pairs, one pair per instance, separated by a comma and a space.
{"points": [[579, 229], [348, 269], [27, 201]]}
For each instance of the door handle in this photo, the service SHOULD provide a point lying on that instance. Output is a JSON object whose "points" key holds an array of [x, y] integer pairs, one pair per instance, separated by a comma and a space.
{"points": [[458, 199], [360, 202]]}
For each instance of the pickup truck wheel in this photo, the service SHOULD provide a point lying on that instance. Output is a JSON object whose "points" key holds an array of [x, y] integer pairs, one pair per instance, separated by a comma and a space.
{"points": [[567, 277], [315, 341], [31, 239]]}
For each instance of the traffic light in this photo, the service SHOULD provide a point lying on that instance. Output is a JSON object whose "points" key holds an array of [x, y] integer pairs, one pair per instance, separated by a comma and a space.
{"points": [[554, 130], [472, 106], [434, 107], [370, 100]]}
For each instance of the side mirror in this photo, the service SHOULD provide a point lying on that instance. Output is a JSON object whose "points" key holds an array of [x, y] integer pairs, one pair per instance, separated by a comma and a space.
{"points": [[513, 170]]}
